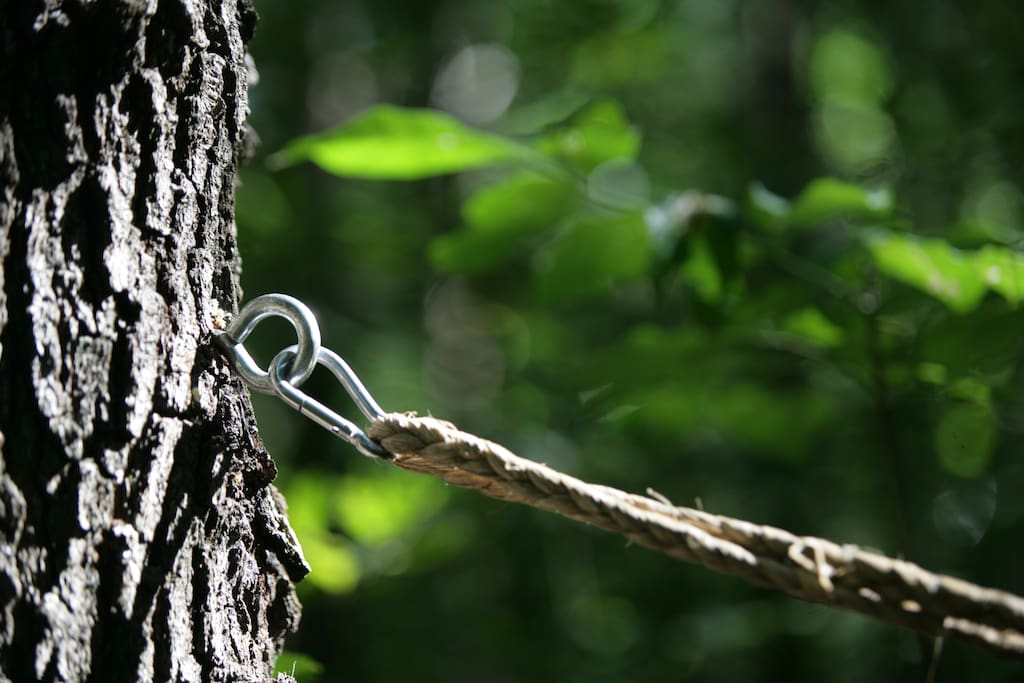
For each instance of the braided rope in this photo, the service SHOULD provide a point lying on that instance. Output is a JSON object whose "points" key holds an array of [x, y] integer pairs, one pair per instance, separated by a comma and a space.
{"points": [[808, 568]]}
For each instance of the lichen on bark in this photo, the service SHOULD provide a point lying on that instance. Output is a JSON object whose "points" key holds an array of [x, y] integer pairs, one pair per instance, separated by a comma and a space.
{"points": [[140, 536]]}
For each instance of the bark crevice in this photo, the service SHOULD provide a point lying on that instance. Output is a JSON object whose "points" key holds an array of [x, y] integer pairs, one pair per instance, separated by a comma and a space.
{"points": [[142, 538]]}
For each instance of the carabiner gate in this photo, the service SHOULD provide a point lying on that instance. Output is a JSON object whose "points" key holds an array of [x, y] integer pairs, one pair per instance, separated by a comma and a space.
{"points": [[292, 366]]}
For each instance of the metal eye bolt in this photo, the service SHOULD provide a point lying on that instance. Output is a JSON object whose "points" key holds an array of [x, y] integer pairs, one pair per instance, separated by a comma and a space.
{"points": [[293, 366], [239, 329]]}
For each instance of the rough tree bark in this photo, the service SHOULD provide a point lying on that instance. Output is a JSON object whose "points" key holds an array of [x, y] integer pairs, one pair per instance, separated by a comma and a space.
{"points": [[140, 538]]}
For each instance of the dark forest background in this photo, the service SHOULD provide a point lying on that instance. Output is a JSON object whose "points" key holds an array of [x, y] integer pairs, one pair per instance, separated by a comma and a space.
{"points": [[764, 256]]}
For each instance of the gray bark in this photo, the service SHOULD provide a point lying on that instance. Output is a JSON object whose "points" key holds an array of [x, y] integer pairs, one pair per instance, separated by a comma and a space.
{"points": [[140, 538]]}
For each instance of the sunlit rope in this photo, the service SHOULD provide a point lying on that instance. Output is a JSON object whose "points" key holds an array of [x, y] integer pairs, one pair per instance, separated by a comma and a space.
{"points": [[804, 567]]}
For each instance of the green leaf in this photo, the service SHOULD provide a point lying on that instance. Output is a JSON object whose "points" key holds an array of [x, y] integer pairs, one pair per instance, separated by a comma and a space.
{"points": [[546, 111], [956, 277], [765, 208], [848, 68], [931, 265], [811, 325], [1002, 270], [500, 220], [701, 271], [973, 390], [964, 439], [619, 184], [932, 373], [394, 143], [593, 252], [827, 199], [600, 133]]}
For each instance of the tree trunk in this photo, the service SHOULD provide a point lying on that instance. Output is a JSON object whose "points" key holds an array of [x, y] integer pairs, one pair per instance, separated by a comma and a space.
{"points": [[140, 538]]}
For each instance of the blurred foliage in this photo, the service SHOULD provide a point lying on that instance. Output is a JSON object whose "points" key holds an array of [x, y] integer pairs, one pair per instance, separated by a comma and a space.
{"points": [[764, 256]]}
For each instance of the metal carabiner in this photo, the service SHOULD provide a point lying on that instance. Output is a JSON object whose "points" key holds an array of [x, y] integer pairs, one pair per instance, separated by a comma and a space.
{"points": [[317, 411], [239, 329], [293, 366]]}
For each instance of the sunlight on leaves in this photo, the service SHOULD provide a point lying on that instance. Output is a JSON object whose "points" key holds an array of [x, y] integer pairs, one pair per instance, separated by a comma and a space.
{"points": [[811, 326], [932, 373], [972, 389], [1002, 270], [955, 277], [377, 508], [821, 201], [847, 68], [395, 143], [335, 566], [931, 265], [850, 80], [827, 199], [308, 498]]}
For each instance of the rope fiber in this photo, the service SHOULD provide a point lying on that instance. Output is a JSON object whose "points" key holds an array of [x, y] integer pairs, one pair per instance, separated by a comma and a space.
{"points": [[808, 568]]}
